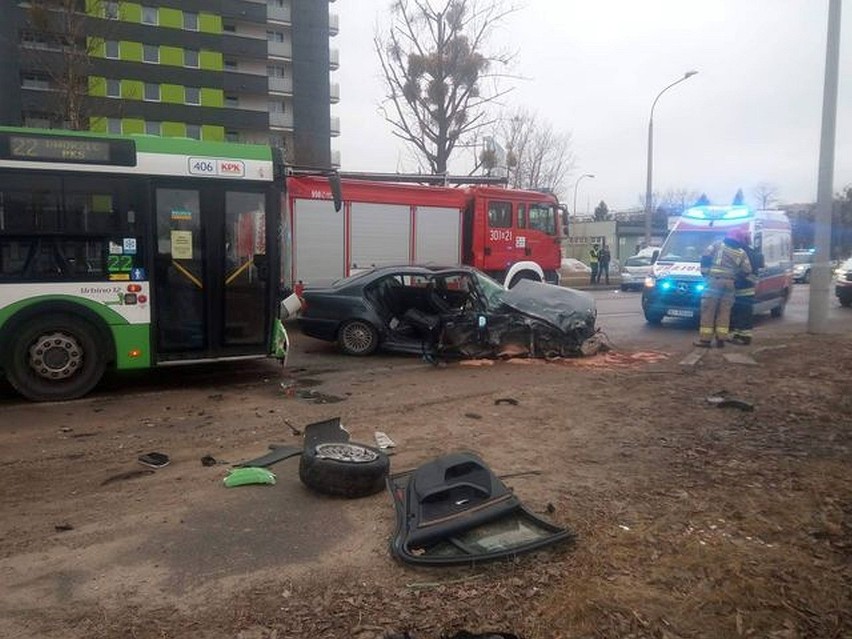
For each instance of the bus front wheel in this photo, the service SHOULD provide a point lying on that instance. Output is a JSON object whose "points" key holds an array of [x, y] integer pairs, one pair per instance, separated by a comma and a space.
{"points": [[55, 358]]}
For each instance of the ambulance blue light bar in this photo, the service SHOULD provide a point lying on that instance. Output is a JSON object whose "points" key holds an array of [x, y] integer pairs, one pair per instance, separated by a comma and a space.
{"points": [[717, 212]]}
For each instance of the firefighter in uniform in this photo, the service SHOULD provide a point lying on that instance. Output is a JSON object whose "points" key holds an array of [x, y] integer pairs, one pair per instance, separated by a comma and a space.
{"points": [[721, 264], [742, 314]]}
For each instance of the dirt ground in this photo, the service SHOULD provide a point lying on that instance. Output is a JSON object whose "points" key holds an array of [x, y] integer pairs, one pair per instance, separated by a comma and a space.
{"points": [[692, 520]]}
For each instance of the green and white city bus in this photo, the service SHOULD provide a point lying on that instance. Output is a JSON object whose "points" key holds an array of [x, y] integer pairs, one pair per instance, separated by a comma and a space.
{"points": [[131, 252]]}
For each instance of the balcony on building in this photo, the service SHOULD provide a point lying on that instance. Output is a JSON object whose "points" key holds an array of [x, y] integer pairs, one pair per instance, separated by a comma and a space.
{"points": [[279, 120], [335, 126], [281, 85], [335, 159], [278, 11], [334, 59], [280, 49], [334, 92], [333, 24]]}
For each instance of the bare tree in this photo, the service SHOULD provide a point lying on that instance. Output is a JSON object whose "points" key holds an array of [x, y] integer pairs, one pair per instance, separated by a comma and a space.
{"points": [[766, 194], [63, 51], [537, 156], [435, 64], [676, 201]]}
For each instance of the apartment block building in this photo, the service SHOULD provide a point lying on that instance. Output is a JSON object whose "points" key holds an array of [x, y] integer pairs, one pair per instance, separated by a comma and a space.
{"points": [[238, 70]]}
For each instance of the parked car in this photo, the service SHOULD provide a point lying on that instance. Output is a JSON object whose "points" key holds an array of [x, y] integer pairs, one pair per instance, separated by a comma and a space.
{"points": [[843, 283], [448, 312], [802, 264], [634, 272], [575, 266]]}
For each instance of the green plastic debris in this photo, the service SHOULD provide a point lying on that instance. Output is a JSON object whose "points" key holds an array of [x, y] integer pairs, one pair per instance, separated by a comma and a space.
{"points": [[249, 475], [280, 341]]}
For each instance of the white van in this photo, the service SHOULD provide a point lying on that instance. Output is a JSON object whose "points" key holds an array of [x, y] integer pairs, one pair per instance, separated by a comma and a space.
{"points": [[674, 287]]}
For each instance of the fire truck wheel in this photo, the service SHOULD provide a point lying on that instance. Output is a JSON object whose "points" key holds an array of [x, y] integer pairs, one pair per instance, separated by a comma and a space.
{"points": [[357, 337], [524, 275], [55, 359]]}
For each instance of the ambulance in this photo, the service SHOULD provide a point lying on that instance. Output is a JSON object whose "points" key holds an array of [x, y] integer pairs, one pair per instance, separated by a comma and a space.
{"points": [[674, 287]]}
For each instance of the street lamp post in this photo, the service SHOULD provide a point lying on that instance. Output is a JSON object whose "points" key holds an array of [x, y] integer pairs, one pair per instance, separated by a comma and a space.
{"points": [[648, 184], [585, 175]]}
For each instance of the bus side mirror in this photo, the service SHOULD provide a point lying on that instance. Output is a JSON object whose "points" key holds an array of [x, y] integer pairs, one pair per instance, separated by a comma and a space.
{"points": [[654, 257], [336, 191]]}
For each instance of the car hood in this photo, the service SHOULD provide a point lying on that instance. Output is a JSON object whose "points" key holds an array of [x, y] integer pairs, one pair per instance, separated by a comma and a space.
{"points": [[564, 308]]}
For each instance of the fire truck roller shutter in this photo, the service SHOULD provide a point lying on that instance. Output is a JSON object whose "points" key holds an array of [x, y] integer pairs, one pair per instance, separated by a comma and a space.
{"points": [[318, 242], [380, 234], [438, 236]]}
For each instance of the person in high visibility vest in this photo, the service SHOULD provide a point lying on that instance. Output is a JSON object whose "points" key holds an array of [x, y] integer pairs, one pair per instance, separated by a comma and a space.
{"points": [[742, 313], [594, 258], [721, 264]]}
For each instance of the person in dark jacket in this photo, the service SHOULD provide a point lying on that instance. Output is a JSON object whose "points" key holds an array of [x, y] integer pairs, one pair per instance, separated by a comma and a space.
{"points": [[742, 313], [604, 259]]}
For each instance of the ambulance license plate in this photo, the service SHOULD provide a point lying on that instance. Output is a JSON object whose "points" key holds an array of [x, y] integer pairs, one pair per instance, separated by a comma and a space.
{"points": [[676, 312]]}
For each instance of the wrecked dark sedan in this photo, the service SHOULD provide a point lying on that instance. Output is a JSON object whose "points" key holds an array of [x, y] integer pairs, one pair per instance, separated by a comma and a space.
{"points": [[448, 312]]}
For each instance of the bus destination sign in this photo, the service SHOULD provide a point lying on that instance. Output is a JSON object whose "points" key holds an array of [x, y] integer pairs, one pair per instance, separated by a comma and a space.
{"points": [[75, 150]]}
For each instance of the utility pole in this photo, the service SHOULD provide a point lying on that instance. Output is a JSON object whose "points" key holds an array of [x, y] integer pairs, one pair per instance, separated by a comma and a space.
{"points": [[821, 269]]}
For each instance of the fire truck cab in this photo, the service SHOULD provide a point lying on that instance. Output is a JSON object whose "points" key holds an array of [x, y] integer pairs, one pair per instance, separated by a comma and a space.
{"points": [[508, 233]]}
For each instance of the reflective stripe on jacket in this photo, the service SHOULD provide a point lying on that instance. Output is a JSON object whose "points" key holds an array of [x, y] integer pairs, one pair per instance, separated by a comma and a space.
{"points": [[726, 260]]}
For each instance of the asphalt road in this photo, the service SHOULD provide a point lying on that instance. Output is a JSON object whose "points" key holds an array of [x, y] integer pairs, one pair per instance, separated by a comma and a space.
{"points": [[619, 317]]}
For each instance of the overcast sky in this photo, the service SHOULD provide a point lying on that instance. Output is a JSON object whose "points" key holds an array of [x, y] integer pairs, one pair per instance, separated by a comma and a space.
{"points": [[593, 68]]}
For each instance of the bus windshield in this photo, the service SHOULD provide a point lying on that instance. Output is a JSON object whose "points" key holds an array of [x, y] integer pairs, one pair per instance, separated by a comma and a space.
{"points": [[688, 246]]}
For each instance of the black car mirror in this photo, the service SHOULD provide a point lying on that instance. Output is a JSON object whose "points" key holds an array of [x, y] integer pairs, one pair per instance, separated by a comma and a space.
{"points": [[654, 256], [336, 191]]}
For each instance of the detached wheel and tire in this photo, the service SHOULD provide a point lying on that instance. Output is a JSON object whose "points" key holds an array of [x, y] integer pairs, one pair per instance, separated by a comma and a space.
{"points": [[344, 469], [55, 359], [358, 337]]}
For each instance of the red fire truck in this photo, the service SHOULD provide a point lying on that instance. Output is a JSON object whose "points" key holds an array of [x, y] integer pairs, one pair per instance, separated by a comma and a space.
{"points": [[508, 233]]}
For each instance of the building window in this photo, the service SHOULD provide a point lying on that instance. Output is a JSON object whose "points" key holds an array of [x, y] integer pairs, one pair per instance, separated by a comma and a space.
{"points": [[150, 53], [193, 131], [190, 58], [229, 28], [37, 82], [192, 95], [152, 92], [111, 49], [232, 136], [154, 128], [113, 88], [36, 121], [276, 106], [231, 65], [114, 125], [276, 71], [190, 21], [232, 101], [111, 10], [275, 36], [149, 15]]}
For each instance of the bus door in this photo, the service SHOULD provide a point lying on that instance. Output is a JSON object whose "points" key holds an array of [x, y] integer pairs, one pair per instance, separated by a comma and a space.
{"points": [[212, 280]]}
